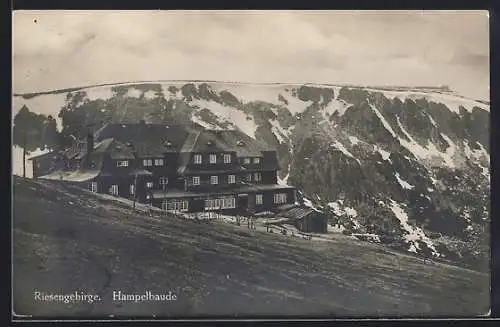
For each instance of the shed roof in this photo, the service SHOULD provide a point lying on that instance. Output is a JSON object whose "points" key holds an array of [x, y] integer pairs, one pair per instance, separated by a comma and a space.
{"points": [[296, 213]]}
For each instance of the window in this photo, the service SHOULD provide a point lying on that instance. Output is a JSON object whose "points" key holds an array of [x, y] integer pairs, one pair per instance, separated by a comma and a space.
{"points": [[122, 163], [221, 203], [259, 199], [249, 177], [246, 161], [256, 160], [257, 177], [149, 184], [93, 187], [132, 189], [197, 159], [227, 158], [163, 181], [231, 179], [147, 162], [213, 158], [158, 162], [175, 205], [279, 198], [113, 189], [196, 180], [214, 180]]}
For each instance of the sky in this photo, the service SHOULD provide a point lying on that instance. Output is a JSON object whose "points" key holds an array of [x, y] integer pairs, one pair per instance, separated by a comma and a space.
{"points": [[60, 49]]}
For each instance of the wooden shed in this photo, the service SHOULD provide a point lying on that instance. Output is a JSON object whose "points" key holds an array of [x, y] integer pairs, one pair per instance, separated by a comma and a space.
{"points": [[306, 220]]}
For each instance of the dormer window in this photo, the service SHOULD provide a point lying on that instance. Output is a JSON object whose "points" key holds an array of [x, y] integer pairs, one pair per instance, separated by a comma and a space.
{"points": [[240, 143], [227, 158], [210, 143], [256, 160], [167, 143], [246, 161], [197, 159], [213, 158], [122, 163]]}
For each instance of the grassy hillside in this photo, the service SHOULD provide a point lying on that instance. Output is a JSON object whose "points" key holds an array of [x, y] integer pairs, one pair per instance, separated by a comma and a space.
{"points": [[68, 240]]}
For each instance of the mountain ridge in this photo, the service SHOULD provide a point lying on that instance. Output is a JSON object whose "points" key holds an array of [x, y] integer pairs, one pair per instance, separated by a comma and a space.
{"points": [[380, 162], [430, 88]]}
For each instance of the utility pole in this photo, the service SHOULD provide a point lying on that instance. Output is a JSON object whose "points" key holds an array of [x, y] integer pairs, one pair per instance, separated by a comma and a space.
{"points": [[135, 187], [165, 195], [24, 153]]}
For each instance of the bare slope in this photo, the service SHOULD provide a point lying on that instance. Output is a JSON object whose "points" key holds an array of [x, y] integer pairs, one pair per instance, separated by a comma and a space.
{"points": [[68, 240]]}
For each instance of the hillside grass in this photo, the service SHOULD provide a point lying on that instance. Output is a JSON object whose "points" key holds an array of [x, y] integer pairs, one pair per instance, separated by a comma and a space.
{"points": [[68, 240]]}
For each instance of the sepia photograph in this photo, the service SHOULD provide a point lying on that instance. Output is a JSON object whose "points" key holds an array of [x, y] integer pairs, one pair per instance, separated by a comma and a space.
{"points": [[246, 164]]}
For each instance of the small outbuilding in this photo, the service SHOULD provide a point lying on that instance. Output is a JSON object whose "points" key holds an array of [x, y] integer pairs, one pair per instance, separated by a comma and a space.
{"points": [[306, 220]]}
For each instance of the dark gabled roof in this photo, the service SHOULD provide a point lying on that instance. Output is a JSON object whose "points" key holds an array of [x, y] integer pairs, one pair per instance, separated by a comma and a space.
{"points": [[229, 141], [114, 148], [77, 175], [206, 140], [296, 213], [147, 140], [44, 155]]}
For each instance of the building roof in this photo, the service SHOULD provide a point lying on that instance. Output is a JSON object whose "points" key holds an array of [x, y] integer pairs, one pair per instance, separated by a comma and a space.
{"points": [[72, 176], [114, 148], [148, 140], [206, 141], [141, 140], [79, 175], [229, 141], [296, 213], [44, 155]]}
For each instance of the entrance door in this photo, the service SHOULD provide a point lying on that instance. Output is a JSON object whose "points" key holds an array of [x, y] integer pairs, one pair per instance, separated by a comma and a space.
{"points": [[243, 201]]}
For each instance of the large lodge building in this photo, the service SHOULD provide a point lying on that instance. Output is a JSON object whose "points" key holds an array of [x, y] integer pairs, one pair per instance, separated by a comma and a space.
{"points": [[183, 168]]}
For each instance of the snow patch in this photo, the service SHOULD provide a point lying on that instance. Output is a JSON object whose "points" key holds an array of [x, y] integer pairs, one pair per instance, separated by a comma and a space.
{"points": [[453, 102], [338, 228], [150, 94], [384, 122], [351, 212], [133, 93], [103, 93], [229, 114], [280, 133], [429, 152], [354, 140], [342, 149], [284, 181], [413, 233], [404, 184], [433, 122], [335, 106], [385, 154], [308, 203], [203, 123]]}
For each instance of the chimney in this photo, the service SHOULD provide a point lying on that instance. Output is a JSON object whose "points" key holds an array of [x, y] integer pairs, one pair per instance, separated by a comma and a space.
{"points": [[90, 143]]}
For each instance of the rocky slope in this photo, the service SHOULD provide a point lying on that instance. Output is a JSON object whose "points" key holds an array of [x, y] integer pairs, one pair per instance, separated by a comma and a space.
{"points": [[408, 165]]}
